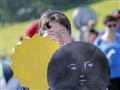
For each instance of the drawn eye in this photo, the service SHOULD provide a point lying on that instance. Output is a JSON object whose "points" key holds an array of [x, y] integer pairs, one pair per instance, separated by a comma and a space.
{"points": [[88, 64], [72, 66]]}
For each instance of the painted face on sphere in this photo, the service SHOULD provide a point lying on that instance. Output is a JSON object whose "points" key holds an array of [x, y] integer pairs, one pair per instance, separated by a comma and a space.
{"points": [[78, 66]]}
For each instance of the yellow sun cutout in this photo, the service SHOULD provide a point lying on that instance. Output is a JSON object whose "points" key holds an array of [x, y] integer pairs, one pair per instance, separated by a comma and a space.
{"points": [[30, 60]]}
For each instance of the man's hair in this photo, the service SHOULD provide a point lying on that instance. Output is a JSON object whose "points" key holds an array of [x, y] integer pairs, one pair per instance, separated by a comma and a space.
{"points": [[109, 18], [59, 17]]}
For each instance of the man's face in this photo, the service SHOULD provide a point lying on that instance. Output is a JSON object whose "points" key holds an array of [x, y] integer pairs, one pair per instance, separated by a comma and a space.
{"points": [[111, 25], [57, 31]]}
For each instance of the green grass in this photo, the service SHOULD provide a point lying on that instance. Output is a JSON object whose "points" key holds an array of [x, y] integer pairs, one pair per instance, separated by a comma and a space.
{"points": [[9, 35]]}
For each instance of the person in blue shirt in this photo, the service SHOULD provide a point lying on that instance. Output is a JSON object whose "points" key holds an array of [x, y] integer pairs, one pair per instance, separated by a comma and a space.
{"points": [[109, 43]]}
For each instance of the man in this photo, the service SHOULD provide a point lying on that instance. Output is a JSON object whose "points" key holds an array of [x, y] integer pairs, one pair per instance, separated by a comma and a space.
{"points": [[57, 26], [109, 43]]}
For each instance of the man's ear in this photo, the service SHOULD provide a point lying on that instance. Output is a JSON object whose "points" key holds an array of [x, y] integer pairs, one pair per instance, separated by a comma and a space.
{"points": [[64, 32]]}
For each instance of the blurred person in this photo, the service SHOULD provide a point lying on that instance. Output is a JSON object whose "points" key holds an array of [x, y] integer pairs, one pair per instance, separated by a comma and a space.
{"points": [[85, 20], [90, 34], [116, 13], [8, 82], [57, 26], [109, 43]]}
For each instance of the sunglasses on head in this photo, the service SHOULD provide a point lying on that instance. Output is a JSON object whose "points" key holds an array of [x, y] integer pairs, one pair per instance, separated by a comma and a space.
{"points": [[47, 26], [44, 28], [111, 25]]}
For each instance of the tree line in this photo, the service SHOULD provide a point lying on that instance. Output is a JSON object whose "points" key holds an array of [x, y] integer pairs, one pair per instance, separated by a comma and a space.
{"points": [[23, 10]]}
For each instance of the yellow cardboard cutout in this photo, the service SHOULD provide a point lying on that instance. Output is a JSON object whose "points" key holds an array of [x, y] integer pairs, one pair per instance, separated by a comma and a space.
{"points": [[30, 60]]}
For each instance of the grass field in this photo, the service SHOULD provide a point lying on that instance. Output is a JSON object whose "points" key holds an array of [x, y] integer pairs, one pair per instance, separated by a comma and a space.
{"points": [[9, 35]]}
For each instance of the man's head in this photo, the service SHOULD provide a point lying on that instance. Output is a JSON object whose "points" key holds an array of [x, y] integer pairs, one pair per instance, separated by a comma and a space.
{"points": [[110, 22], [78, 66], [56, 24], [54, 20]]}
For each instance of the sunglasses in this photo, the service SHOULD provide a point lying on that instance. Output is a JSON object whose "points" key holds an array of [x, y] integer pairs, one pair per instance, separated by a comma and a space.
{"points": [[44, 29], [112, 25], [46, 26]]}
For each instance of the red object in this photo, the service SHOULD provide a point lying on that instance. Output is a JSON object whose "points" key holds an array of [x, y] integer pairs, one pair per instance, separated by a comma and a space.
{"points": [[117, 15], [32, 29], [93, 37]]}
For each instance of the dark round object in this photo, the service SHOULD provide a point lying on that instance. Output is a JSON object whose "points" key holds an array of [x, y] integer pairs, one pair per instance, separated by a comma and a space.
{"points": [[78, 66]]}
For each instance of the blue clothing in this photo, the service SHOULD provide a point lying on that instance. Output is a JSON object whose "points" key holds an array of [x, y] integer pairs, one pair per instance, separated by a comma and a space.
{"points": [[112, 51], [118, 30]]}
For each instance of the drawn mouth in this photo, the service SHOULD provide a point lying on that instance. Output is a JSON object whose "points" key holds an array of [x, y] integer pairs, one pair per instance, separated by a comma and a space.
{"points": [[82, 81]]}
